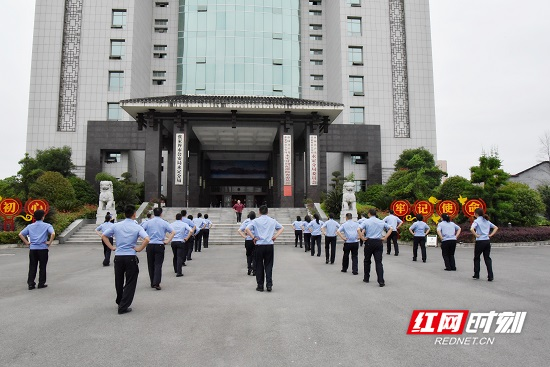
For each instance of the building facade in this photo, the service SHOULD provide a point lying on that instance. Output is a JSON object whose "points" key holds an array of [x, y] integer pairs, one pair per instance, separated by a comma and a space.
{"points": [[371, 60]]}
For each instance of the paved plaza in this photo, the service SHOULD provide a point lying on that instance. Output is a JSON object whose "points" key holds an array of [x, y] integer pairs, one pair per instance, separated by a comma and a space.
{"points": [[315, 316]]}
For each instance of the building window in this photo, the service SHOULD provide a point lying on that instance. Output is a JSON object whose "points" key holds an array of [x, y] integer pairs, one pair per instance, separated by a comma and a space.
{"points": [[159, 81], [161, 4], [316, 77], [316, 87], [315, 2], [118, 19], [357, 115], [114, 112], [159, 74], [315, 13], [315, 27], [161, 29], [113, 157], [117, 49], [360, 185], [358, 159], [159, 55], [116, 81], [354, 2], [315, 37], [316, 62], [354, 26], [160, 47], [202, 8], [356, 86], [355, 55], [315, 51], [161, 21]]}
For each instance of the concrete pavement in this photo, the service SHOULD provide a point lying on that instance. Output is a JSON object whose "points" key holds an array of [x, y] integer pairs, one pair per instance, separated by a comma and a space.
{"points": [[315, 316]]}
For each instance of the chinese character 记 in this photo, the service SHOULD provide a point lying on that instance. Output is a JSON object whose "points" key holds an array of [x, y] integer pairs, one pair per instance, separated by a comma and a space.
{"points": [[510, 322], [480, 320]]}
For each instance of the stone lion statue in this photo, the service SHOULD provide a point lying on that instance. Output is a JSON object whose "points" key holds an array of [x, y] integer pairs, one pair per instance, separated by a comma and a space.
{"points": [[348, 197], [106, 197]]}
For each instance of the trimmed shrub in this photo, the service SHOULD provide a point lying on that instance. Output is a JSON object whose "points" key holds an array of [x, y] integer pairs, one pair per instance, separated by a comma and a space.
{"points": [[10, 237], [84, 191], [53, 187]]}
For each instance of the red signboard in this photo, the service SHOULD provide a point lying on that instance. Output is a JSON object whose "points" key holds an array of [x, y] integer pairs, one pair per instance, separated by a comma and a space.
{"points": [[450, 207], [9, 209], [401, 207], [32, 205], [471, 205], [423, 207]]}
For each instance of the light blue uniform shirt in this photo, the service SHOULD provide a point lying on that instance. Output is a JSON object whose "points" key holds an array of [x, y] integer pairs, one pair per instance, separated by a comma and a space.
{"points": [[38, 233], [331, 227], [104, 226], [297, 225], [419, 228], [448, 230], [189, 222], [182, 230], [243, 227], [349, 230], [199, 224], [264, 228], [305, 226], [393, 221], [482, 227], [157, 228], [315, 228], [126, 234], [207, 223], [374, 227]]}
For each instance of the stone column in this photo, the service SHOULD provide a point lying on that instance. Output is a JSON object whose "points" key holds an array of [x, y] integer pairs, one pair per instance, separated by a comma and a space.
{"points": [[153, 157]]}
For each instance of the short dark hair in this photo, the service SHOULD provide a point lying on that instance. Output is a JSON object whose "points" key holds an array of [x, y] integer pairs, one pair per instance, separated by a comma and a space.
{"points": [[157, 212], [183, 213], [445, 217], [178, 216], [190, 217], [199, 215], [298, 218], [206, 216], [331, 216], [391, 212], [372, 212], [39, 214], [419, 217], [263, 209], [107, 218], [129, 211], [148, 215], [252, 215], [349, 216]]}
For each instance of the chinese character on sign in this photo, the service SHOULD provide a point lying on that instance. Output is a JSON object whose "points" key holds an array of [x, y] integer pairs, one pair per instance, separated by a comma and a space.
{"points": [[401, 207], [480, 320], [423, 207], [510, 322], [437, 322], [471, 205], [448, 206], [313, 160]]}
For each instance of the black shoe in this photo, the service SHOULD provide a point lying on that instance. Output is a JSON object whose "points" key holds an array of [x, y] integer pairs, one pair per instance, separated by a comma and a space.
{"points": [[105, 264], [414, 258], [129, 309], [327, 262], [189, 259], [268, 288], [344, 271], [42, 286], [319, 255], [184, 264], [355, 273], [253, 273], [423, 261], [301, 246], [179, 275], [394, 255], [448, 270], [365, 280], [295, 245], [31, 287], [387, 253], [476, 277], [332, 263], [490, 279], [453, 269], [158, 287], [260, 289], [249, 271], [382, 284]]}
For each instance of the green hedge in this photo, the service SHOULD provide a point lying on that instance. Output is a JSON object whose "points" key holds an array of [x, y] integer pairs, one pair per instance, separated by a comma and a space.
{"points": [[10, 237]]}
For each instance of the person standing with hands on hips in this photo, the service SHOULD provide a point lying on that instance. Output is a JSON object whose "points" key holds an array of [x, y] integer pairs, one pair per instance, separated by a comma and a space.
{"points": [[419, 230], [109, 222], [483, 230], [238, 208], [349, 232], [126, 262], [448, 232], [248, 243], [371, 232], [38, 243], [262, 230], [394, 222], [329, 229]]}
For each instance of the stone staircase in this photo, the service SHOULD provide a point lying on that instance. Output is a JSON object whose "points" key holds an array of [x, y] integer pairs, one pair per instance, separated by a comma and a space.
{"points": [[224, 226]]}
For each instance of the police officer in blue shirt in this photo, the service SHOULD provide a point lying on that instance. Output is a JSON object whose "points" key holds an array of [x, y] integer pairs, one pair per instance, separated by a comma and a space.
{"points": [[109, 222], [126, 262], [157, 229], [206, 231], [483, 230], [189, 244], [371, 232], [349, 232], [38, 243], [263, 229], [199, 224], [419, 230], [393, 221], [329, 229], [314, 227], [248, 243], [297, 225], [183, 232]]}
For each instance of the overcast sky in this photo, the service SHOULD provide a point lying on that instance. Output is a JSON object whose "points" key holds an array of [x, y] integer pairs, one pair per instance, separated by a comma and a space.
{"points": [[491, 74]]}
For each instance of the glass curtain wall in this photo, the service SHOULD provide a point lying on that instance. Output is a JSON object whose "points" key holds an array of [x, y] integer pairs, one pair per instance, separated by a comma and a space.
{"points": [[239, 47]]}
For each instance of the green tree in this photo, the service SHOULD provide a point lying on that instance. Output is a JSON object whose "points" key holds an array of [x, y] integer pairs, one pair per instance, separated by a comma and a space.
{"points": [[455, 186], [518, 204], [375, 195], [28, 173], [56, 160], [544, 192], [490, 178], [416, 176], [10, 187], [56, 189], [84, 191], [333, 199]]}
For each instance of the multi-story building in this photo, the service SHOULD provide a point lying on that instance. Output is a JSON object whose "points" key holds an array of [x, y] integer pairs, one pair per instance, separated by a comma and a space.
{"points": [[208, 101]]}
